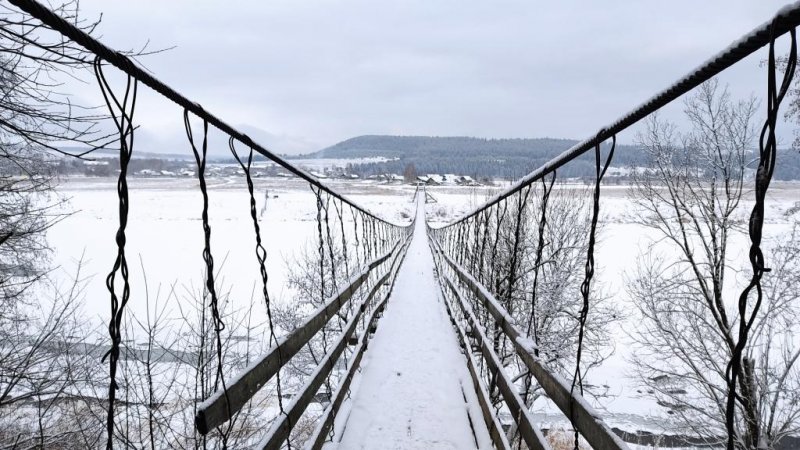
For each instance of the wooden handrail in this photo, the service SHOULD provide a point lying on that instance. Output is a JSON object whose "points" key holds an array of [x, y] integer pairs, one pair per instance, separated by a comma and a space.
{"points": [[583, 417], [532, 436], [221, 405], [282, 427], [499, 438]]}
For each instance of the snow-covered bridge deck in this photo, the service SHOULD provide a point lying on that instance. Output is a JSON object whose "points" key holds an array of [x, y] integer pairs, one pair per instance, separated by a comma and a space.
{"points": [[415, 391]]}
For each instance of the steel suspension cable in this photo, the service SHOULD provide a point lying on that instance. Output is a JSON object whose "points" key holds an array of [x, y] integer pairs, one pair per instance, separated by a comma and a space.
{"points": [[784, 21]]}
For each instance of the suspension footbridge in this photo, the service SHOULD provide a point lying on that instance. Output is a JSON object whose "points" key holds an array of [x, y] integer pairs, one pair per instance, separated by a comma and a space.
{"points": [[414, 341]]}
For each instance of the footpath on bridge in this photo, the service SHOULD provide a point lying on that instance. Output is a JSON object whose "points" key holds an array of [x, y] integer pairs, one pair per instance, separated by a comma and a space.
{"points": [[415, 391]]}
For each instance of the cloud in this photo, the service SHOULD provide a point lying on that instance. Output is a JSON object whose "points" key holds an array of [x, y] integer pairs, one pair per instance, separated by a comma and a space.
{"points": [[304, 75]]}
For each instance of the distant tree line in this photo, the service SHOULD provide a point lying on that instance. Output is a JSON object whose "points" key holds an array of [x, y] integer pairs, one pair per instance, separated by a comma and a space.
{"points": [[490, 158], [475, 167], [482, 159]]}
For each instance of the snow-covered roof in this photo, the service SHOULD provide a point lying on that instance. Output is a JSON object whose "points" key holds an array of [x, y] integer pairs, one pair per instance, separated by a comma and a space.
{"points": [[435, 177], [447, 178]]}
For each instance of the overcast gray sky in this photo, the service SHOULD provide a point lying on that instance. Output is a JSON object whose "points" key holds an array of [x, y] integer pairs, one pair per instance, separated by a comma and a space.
{"points": [[301, 75]]}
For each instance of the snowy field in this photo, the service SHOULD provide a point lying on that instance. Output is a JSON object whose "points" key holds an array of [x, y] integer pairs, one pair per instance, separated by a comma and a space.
{"points": [[165, 235], [165, 243]]}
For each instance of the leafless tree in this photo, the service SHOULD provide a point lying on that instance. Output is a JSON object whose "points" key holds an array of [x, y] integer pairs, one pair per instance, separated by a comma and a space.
{"points": [[410, 173], [168, 366], [553, 310], [792, 112], [40, 356], [36, 118], [690, 194]]}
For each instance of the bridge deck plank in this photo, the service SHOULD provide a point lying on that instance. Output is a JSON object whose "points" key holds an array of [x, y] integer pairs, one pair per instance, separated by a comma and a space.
{"points": [[411, 394]]}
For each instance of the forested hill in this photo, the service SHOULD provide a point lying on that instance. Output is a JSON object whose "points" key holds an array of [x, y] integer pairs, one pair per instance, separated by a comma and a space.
{"points": [[411, 146], [506, 158], [466, 155]]}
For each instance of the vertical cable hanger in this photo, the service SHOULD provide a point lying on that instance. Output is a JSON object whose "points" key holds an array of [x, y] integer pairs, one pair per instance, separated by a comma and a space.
{"points": [[122, 115], [499, 218], [261, 256], [321, 256], [736, 370], [600, 171], [208, 258], [486, 214], [460, 242], [334, 284], [329, 243], [522, 201], [356, 241], [373, 238], [475, 245], [367, 251], [532, 331], [340, 215], [547, 188]]}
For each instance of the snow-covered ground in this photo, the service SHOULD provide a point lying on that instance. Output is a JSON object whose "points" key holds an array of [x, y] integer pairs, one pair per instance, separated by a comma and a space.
{"points": [[165, 235], [165, 243]]}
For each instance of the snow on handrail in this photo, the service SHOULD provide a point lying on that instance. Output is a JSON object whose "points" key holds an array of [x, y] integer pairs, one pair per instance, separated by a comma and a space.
{"points": [[532, 436], [496, 431]]}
